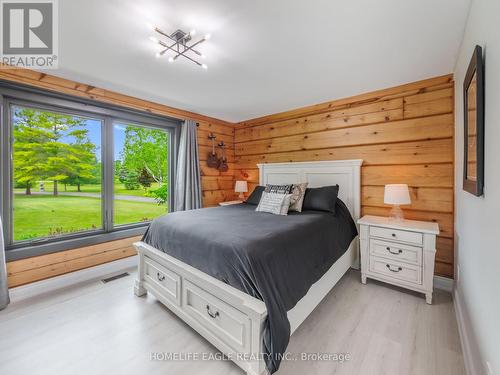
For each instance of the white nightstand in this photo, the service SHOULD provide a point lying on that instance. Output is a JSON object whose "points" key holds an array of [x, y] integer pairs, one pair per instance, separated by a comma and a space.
{"points": [[228, 203], [399, 253]]}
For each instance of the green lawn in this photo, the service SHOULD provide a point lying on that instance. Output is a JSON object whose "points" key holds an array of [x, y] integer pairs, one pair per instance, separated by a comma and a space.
{"points": [[119, 188], [37, 216]]}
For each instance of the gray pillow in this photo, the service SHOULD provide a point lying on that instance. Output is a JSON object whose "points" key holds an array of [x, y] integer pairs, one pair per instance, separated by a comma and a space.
{"points": [[321, 199], [254, 198]]}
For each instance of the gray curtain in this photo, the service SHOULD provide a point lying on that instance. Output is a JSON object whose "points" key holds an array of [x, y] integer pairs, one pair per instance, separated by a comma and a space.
{"points": [[4, 290], [187, 188]]}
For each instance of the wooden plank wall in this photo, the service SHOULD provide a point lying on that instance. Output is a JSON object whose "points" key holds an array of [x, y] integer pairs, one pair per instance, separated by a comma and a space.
{"points": [[41, 267], [216, 186], [404, 135]]}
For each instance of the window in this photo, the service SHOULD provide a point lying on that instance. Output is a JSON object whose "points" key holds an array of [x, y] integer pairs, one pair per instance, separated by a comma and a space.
{"points": [[141, 173], [74, 174], [56, 175]]}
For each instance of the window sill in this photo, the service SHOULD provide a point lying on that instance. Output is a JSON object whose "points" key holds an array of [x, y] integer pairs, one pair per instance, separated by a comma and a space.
{"points": [[69, 244]]}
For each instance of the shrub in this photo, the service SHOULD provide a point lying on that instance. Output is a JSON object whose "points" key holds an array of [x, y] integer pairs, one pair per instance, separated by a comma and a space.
{"points": [[160, 195], [131, 181], [122, 174]]}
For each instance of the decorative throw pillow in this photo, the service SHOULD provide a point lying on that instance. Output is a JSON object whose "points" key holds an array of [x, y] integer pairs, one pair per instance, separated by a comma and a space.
{"points": [[280, 189], [321, 199], [254, 198], [298, 193], [274, 203]]}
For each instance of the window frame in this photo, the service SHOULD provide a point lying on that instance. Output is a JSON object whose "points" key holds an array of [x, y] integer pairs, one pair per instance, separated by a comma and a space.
{"points": [[108, 114]]}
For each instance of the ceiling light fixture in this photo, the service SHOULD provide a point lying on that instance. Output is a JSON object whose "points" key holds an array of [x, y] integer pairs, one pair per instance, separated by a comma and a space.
{"points": [[179, 43]]}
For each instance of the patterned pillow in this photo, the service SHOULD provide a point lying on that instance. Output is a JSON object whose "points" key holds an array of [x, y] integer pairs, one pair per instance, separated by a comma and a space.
{"points": [[274, 203], [298, 193], [280, 189]]}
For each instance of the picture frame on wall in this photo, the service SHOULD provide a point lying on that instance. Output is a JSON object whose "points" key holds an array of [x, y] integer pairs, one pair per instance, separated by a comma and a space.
{"points": [[473, 96]]}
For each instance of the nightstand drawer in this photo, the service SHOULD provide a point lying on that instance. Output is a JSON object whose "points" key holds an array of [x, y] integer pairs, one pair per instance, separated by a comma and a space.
{"points": [[396, 235], [396, 251], [396, 270]]}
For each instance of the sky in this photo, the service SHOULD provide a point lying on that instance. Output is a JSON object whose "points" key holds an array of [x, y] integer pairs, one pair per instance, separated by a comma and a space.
{"points": [[94, 134]]}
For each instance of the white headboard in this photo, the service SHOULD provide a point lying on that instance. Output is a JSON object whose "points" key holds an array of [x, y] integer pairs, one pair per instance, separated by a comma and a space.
{"points": [[345, 173]]}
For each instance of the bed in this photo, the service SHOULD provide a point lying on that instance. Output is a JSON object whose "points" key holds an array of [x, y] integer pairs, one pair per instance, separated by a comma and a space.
{"points": [[215, 267]]}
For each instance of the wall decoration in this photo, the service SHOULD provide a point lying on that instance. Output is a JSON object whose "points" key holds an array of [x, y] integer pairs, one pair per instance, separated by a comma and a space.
{"points": [[223, 166], [473, 94], [212, 160]]}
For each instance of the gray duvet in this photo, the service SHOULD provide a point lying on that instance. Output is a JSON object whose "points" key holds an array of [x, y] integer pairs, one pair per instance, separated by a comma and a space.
{"points": [[273, 258]]}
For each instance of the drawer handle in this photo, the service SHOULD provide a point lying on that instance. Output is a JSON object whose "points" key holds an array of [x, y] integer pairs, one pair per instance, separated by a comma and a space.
{"points": [[393, 234], [211, 314], [160, 276], [392, 252], [390, 269]]}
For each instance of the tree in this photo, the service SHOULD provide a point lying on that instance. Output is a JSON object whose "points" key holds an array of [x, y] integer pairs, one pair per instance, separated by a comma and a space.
{"points": [[66, 160], [146, 148], [85, 169], [123, 174], [28, 149], [145, 178], [50, 146], [117, 169], [130, 181]]}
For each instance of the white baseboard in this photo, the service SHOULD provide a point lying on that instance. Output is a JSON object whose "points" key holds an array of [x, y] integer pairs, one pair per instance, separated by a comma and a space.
{"points": [[72, 278], [470, 350], [443, 283]]}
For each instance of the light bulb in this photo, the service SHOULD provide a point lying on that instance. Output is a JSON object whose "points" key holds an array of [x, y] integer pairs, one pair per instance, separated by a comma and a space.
{"points": [[204, 66], [170, 59], [208, 36], [153, 39], [192, 32], [203, 56], [150, 26], [158, 54]]}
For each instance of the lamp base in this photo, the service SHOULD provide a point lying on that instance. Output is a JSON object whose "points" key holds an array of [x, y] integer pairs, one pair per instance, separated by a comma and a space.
{"points": [[241, 196], [397, 213]]}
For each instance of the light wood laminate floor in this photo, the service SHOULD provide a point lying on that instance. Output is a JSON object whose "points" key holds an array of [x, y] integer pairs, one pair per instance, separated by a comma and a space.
{"points": [[100, 328]]}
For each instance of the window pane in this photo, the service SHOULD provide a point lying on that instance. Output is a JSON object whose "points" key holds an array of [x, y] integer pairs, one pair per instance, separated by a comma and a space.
{"points": [[56, 174], [141, 173]]}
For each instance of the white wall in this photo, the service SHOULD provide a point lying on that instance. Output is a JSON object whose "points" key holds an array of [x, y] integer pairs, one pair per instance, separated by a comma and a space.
{"points": [[478, 219]]}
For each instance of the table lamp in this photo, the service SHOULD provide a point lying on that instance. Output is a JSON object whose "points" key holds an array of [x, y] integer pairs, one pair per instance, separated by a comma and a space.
{"points": [[241, 187], [397, 194]]}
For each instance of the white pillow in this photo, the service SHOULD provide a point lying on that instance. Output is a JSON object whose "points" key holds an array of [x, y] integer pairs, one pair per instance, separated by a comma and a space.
{"points": [[274, 203]]}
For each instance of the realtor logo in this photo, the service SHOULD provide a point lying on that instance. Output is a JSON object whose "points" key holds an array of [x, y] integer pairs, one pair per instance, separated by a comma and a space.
{"points": [[29, 33]]}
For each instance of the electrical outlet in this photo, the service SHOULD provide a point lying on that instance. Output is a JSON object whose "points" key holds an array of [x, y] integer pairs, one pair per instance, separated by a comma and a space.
{"points": [[488, 367]]}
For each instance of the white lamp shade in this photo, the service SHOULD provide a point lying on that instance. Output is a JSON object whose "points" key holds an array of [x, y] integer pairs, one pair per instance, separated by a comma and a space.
{"points": [[397, 194], [241, 187]]}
